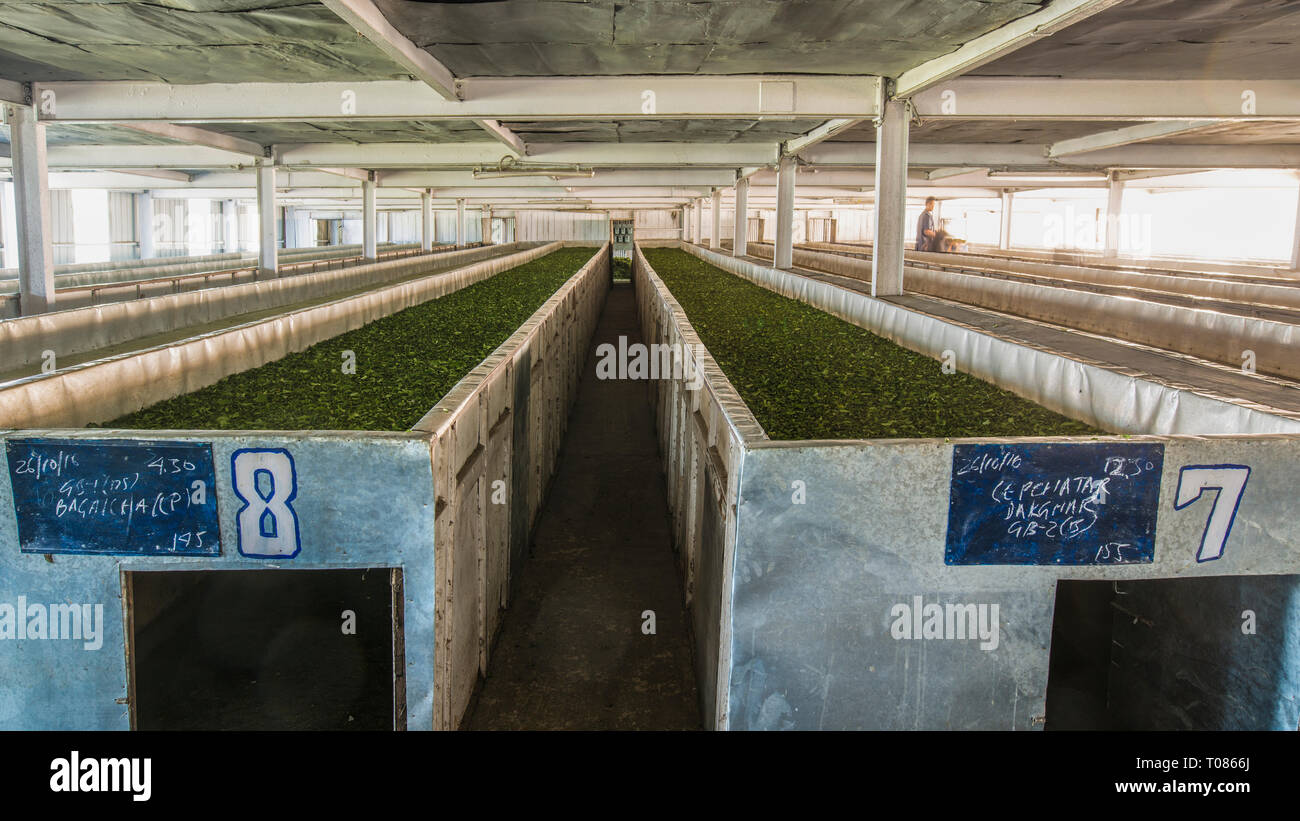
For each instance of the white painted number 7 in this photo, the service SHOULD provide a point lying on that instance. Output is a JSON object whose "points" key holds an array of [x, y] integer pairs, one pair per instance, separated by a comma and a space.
{"points": [[1230, 482]]}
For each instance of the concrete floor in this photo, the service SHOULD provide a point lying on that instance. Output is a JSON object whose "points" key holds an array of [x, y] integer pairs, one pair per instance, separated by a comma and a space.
{"points": [[571, 653]]}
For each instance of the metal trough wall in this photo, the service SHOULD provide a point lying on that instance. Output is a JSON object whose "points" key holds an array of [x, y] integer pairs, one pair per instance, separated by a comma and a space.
{"points": [[1215, 336], [351, 499], [100, 273], [829, 594], [702, 425], [1233, 287], [1107, 399], [419, 501], [495, 439], [911, 584], [24, 340], [109, 388]]}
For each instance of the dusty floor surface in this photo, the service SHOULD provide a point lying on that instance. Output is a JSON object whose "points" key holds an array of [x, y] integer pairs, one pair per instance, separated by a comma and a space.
{"points": [[571, 653]]}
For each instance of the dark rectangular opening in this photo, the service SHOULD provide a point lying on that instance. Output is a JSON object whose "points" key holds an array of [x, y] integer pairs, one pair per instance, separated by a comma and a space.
{"points": [[266, 649], [1208, 653]]}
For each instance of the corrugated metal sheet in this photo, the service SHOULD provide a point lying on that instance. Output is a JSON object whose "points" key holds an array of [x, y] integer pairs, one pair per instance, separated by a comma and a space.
{"points": [[121, 225], [169, 227], [61, 227], [532, 226], [658, 224], [404, 226]]}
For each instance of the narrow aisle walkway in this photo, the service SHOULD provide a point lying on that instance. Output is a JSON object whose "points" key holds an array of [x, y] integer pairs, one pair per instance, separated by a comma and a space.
{"points": [[572, 654]]}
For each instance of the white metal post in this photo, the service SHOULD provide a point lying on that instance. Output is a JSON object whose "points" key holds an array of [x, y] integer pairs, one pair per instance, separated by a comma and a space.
{"points": [[32, 206], [266, 248], [230, 218], [741, 228], [1004, 233], [485, 229], [715, 225], [144, 225], [783, 256], [8, 204], [1114, 208], [891, 200], [460, 223], [426, 220], [369, 219], [698, 230], [290, 227], [1295, 238]]}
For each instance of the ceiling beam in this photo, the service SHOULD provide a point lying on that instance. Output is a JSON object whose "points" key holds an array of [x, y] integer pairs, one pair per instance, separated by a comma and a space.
{"points": [[1127, 136], [160, 174], [820, 97], [1046, 98], [988, 47], [945, 173], [1034, 157], [434, 155], [359, 174], [686, 177], [824, 131], [371, 23], [105, 157], [504, 136], [199, 136], [12, 92]]}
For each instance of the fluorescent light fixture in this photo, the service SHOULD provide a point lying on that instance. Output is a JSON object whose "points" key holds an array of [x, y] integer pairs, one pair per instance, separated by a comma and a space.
{"points": [[509, 166]]}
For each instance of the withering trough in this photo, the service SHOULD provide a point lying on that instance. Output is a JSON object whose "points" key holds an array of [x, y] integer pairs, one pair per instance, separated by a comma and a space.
{"points": [[410, 515], [914, 584]]}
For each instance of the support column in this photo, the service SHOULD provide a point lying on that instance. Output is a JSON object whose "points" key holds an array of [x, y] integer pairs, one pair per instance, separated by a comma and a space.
{"points": [[290, 227], [685, 210], [1295, 238], [369, 220], [485, 221], [8, 202], [715, 235], [460, 223], [783, 257], [1004, 232], [144, 225], [230, 226], [1114, 208], [698, 216], [891, 200], [266, 249], [426, 220], [740, 236], [32, 207]]}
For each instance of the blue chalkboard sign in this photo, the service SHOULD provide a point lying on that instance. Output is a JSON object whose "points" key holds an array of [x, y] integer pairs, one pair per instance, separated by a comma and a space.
{"points": [[117, 497], [1054, 503]]}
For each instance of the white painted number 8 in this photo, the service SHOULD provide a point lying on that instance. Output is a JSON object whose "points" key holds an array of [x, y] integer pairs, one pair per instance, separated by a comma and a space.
{"points": [[266, 482], [1230, 482]]}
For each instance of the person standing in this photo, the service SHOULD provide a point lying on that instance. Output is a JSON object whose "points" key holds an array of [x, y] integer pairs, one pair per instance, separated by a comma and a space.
{"points": [[927, 227]]}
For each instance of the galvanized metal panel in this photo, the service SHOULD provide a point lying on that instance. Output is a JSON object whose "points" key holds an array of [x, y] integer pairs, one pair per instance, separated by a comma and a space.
{"points": [[364, 500], [817, 583]]}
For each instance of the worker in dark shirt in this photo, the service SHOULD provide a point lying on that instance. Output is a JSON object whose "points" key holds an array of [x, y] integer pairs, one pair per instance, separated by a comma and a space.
{"points": [[926, 227]]}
